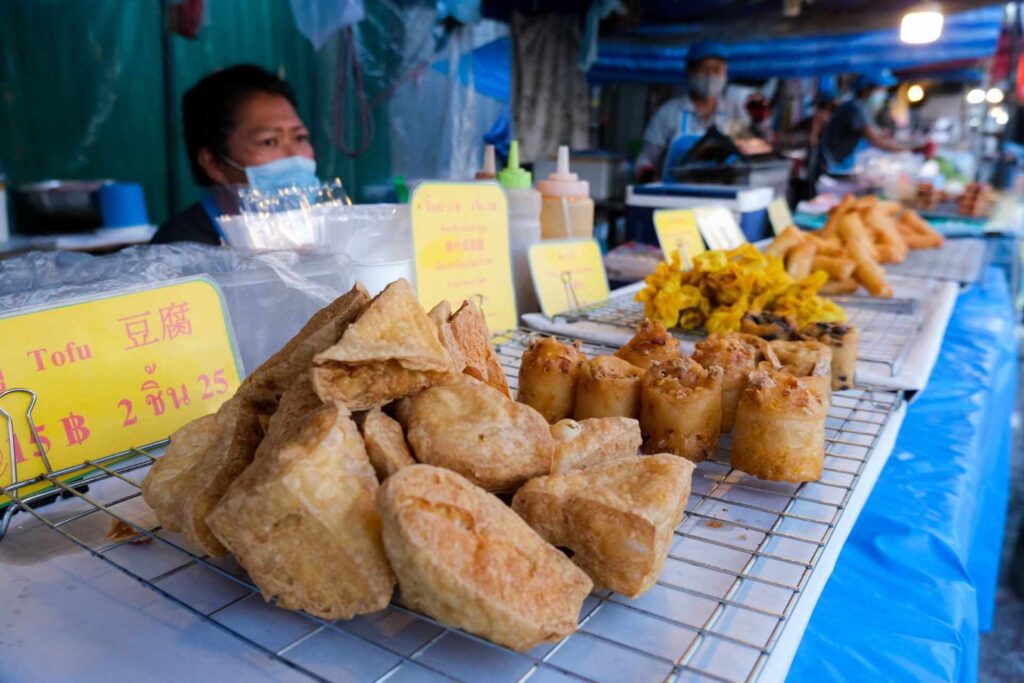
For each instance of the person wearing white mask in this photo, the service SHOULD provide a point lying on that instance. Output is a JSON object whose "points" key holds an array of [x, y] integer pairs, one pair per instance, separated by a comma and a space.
{"points": [[678, 124], [852, 128], [241, 128]]}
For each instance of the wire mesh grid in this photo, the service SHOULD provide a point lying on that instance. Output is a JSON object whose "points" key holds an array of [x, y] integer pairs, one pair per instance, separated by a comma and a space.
{"points": [[959, 260], [736, 570], [887, 332]]}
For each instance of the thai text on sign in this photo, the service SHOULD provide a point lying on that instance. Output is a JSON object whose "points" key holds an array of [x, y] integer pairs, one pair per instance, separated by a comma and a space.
{"points": [[568, 274]]}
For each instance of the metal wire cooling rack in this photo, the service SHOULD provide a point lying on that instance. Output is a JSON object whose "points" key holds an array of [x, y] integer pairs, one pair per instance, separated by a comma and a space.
{"points": [[958, 260], [887, 329], [742, 563]]}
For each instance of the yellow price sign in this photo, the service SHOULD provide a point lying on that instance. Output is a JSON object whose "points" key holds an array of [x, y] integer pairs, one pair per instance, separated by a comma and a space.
{"points": [[677, 231], [111, 372], [567, 274], [460, 234], [718, 227], [779, 215]]}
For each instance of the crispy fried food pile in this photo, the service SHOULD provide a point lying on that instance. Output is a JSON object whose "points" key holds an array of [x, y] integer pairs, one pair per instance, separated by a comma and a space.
{"points": [[860, 235], [723, 286]]}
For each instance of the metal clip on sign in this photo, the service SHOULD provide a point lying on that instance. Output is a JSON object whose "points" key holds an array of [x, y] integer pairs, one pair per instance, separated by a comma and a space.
{"points": [[12, 451], [570, 292]]}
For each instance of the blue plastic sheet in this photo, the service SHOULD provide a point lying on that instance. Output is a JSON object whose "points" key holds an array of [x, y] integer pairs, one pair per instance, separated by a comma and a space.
{"points": [[915, 582]]}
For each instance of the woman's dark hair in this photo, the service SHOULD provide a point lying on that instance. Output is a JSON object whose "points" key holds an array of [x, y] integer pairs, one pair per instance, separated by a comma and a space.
{"points": [[209, 107]]}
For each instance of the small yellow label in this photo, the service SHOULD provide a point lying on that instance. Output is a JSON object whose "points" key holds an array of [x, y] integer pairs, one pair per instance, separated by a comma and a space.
{"points": [[568, 274], [460, 234], [678, 228], [112, 372], [779, 215], [718, 227]]}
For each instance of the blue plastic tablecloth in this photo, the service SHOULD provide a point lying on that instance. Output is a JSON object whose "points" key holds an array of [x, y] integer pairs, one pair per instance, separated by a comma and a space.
{"points": [[915, 582]]}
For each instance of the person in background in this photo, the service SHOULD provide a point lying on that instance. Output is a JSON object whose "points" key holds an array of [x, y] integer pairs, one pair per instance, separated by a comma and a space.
{"points": [[678, 124], [852, 125], [241, 128]]}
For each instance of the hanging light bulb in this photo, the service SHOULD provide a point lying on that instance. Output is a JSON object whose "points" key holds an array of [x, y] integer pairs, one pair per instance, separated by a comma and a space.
{"points": [[976, 96], [994, 96], [921, 25], [915, 93]]}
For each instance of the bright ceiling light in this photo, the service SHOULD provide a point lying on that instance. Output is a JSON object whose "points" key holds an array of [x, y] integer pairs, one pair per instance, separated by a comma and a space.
{"points": [[921, 25], [976, 96], [915, 93], [994, 96], [1000, 115]]}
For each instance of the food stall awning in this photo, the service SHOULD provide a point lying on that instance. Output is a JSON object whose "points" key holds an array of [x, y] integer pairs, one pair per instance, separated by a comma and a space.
{"points": [[657, 53]]}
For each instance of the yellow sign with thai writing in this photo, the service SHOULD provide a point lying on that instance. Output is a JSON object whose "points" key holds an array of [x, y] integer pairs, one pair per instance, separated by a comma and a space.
{"points": [[718, 227], [567, 274], [460, 234], [779, 215], [112, 372], [677, 231]]}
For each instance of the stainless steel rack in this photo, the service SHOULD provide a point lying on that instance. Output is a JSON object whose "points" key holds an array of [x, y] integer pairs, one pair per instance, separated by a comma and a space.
{"points": [[887, 329], [744, 571], [958, 260]]}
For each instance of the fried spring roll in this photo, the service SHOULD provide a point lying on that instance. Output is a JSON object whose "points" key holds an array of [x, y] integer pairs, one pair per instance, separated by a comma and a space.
{"points": [[547, 377], [608, 387], [681, 409], [738, 355]]}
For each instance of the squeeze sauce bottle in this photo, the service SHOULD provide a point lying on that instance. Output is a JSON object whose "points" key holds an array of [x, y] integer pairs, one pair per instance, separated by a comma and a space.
{"points": [[523, 226], [487, 172], [566, 208]]}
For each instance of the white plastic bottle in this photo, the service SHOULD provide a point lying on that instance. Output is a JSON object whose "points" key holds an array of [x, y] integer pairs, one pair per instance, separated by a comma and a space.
{"points": [[487, 171], [566, 209], [523, 226]]}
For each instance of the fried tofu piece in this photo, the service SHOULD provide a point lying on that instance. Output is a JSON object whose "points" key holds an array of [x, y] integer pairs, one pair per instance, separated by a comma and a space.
{"points": [[547, 377], [681, 409], [469, 328], [294, 404], [471, 428], [391, 351], [385, 444], [651, 344], [270, 380], [465, 558], [202, 460], [583, 444], [441, 315], [303, 521], [618, 518]]}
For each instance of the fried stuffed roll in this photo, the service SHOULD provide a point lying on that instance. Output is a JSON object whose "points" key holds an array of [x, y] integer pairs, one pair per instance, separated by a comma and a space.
{"points": [[547, 377], [808, 359], [608, 387], [681, 409], [844, 340], [738, 355], [651, 344], [780, 427]]}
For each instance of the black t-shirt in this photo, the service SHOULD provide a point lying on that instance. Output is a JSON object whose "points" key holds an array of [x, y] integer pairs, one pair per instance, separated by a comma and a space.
{"points": [[191, 225], [843, 132]]}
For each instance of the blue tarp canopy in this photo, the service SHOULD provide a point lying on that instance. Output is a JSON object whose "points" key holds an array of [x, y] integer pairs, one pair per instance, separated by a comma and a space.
{"points": [[657, 54]]}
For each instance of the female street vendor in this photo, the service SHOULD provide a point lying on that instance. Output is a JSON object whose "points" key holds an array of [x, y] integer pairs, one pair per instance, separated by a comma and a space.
{"points": [[241, 127], [679, 123]]}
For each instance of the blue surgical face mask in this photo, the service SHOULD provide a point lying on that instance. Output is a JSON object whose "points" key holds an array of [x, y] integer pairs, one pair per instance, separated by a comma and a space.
{"points": [[280, 174]]}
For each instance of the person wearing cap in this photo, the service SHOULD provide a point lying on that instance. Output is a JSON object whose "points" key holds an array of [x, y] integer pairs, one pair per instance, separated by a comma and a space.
{"points": [[852, 125], [679, 123]]}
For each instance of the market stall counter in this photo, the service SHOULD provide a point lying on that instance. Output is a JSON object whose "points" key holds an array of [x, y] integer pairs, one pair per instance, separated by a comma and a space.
{"points": [[916, 581]]}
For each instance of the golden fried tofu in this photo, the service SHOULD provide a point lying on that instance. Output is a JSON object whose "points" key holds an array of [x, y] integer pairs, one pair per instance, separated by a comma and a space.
{"points": [[618, 518], [547, 377], [586, 443], [608, 386], [202, 460], [303, 521], [270, 380], [465, 558], [651, 344], [471, 428], [469, 328], [392, 350], [440, 315], [294, 404], [385, 444]]}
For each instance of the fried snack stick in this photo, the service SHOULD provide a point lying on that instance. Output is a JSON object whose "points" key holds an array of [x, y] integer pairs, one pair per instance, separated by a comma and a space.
{"points": [[836, 287], [837, 268], [786, 240], [868, 272], [799, 260], [890, 244], [830, 247], [836, 215], [911, 222]]}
